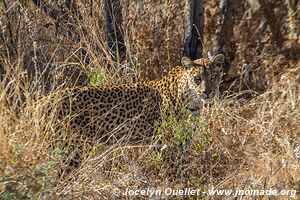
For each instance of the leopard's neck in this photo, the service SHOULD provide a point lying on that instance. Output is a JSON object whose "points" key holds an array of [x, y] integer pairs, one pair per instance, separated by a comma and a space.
{"points": [[169, 86]]}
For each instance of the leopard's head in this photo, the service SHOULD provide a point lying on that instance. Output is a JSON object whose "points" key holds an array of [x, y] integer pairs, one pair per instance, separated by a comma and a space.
{"points": [[201, 81]]}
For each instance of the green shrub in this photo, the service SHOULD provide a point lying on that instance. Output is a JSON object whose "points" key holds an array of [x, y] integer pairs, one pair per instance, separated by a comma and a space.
{"points": [[23, 180]]}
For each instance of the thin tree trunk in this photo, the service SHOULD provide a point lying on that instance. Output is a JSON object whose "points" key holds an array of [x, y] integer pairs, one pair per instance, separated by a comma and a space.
{"points": [[224, 43], [193, 41], [114, 35], [272, 21], [294, 19], [68, 16]]}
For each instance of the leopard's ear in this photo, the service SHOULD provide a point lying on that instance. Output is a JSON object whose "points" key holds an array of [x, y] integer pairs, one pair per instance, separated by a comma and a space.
{"points": [[186, 62], [218, 59]]}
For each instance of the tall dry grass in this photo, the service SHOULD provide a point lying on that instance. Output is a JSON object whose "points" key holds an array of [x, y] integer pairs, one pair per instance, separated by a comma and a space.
{"points": [[247, 139]]}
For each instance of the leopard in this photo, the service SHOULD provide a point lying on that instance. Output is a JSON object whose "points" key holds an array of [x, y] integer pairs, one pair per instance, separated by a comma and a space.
{"points": [[110, 113]]}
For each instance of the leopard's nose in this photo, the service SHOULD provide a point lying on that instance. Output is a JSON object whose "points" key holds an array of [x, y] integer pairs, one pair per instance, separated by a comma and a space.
{"points": [[207, 93]]}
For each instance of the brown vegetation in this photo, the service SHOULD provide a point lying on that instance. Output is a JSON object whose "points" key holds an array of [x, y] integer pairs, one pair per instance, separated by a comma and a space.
{"points": [[247, 139]]}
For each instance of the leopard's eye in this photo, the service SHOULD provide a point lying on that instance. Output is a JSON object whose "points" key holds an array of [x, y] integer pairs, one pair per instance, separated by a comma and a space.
{"points": [[198, 80]]}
